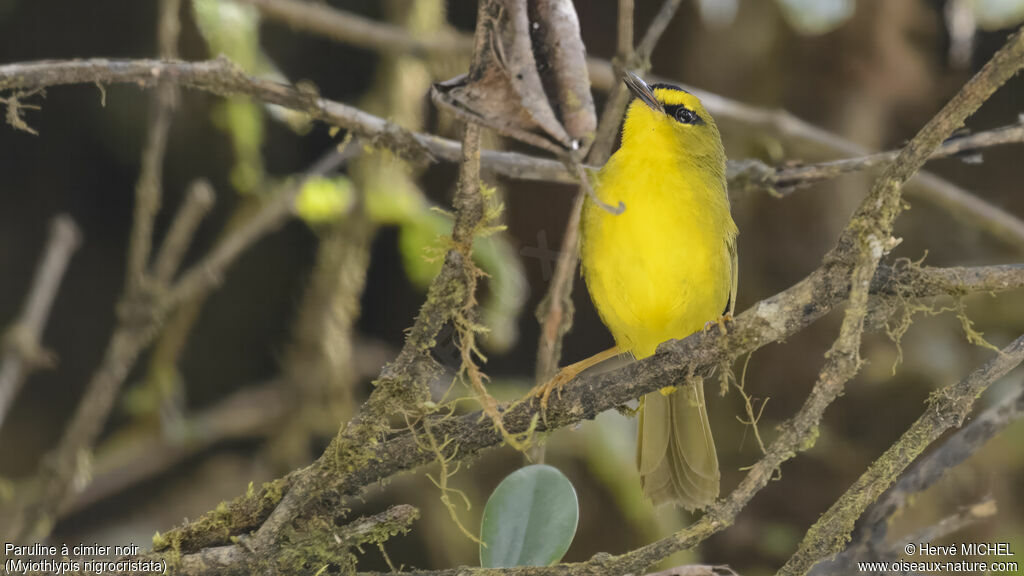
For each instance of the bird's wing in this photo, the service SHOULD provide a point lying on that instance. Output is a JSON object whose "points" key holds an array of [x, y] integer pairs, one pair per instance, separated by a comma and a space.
{"points": [[734, 261]]}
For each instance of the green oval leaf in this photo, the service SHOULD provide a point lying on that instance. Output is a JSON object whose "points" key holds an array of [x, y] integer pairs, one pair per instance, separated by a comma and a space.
{"points": [[529, 520]]}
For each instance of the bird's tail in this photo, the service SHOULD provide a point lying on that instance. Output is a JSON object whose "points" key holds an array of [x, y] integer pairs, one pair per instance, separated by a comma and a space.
{"points": [[675, 451]]}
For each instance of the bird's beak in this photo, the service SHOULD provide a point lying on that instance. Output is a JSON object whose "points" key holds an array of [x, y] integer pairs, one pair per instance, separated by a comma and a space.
{"points": [[641, 90]]}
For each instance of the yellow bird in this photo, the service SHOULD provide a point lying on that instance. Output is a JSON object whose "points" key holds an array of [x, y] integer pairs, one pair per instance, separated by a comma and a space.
{"points": [[662, 269]]}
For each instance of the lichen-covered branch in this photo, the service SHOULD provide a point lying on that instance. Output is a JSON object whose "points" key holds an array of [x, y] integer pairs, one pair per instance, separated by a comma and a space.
{"points": [[401, 389], [953, 452], [947, 408]]}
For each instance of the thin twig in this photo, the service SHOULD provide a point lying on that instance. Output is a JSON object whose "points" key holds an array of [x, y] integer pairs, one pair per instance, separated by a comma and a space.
{"points": [[148, 189], [135, 455], [22, 350], [198, 201], [696, 570], [273, 213], [966, 516], [556, 309], [846, 562], [140, 453], [34, 512], [655, 30], [624, 37], [140, 314], [618, 96], [784, 180]]}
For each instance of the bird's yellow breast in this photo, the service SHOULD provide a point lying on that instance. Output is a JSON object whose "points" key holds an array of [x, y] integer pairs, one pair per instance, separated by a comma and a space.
{"points": [[662, 268]]}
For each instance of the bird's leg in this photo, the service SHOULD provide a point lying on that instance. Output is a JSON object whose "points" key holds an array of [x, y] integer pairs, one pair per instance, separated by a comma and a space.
{"points": [[565, 375], [721, 323]]}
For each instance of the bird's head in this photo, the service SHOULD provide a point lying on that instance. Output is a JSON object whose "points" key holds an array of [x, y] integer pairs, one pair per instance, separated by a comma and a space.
{"points": [[666, 117]]}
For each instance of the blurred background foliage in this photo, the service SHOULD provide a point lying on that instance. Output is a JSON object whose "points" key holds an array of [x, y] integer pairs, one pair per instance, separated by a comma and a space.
{"points": [[251, 382]]}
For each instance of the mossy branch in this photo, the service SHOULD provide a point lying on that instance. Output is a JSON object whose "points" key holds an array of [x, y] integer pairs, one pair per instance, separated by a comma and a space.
{"points": [[947, 408], [402, 387], [771, 320], [338, 548], [869, 538]]}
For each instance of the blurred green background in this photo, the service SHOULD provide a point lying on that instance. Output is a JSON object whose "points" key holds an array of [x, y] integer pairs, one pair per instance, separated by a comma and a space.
{"points": [[872, 71]]}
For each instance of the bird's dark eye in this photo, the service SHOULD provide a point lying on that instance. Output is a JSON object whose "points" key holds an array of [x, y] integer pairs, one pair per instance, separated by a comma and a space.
{"points": [[686, 116]]}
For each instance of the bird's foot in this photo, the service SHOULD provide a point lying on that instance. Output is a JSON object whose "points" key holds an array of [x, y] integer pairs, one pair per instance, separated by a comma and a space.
{"points": [[721, 323], [555, 385], [564, 376]]}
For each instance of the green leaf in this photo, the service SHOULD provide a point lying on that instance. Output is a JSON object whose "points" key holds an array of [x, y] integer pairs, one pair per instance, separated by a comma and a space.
{"points": [[422, 247], [324, 199], [529, 520], [507, 291]]}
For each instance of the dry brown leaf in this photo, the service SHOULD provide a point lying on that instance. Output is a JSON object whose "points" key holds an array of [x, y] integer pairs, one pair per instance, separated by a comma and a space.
{"points": [[530, 80]]}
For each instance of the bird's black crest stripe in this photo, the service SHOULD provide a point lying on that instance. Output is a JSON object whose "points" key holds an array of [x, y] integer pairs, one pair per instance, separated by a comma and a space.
{"points": [[667, 86]]}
